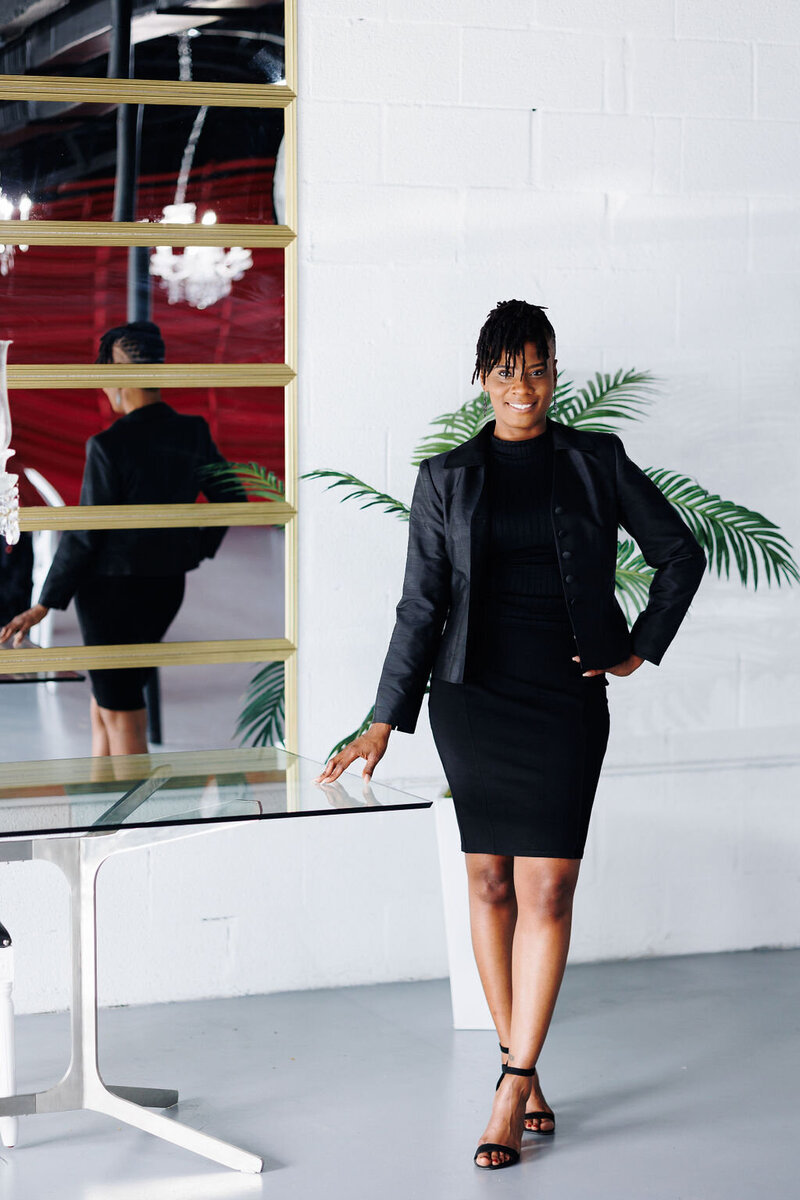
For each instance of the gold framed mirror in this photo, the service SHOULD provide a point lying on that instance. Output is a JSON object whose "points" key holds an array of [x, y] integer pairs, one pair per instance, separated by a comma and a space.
{"points": [[97, 156]]}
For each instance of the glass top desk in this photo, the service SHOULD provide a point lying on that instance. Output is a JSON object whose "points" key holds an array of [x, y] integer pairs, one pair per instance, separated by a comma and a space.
{"points": [[76, 813]]}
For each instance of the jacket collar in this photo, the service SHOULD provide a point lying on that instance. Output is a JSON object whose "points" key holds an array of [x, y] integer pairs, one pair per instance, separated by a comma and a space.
{"points": [[472, 453]]}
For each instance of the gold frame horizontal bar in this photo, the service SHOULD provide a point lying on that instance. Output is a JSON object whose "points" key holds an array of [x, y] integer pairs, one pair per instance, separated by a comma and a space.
{"points": [[66, 772], [150, 375], [146, 654], [142, 233], [156, 516], [144, 91]]}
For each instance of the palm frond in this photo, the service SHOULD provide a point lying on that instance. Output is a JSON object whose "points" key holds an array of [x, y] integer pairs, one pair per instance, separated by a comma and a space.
{"points": [[605, 400], [256, 480], [360, 490], [457, 427], [363, 727], [729, 531], [633, 578], [262, 720]]}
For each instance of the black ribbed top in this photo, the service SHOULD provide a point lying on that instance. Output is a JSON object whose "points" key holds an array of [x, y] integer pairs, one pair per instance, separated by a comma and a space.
{"points": [[523, 561]]}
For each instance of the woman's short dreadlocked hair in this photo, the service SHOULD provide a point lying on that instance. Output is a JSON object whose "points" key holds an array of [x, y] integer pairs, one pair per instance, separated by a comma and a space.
{"points": [[141, 341], [506, 330]]}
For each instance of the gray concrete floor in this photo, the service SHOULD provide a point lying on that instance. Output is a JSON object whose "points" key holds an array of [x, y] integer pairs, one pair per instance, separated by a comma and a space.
{"points": [[672, 1079]]}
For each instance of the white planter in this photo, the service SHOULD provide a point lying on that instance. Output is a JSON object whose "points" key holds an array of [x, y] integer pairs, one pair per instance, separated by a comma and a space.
{"points": [[470, 1010]]}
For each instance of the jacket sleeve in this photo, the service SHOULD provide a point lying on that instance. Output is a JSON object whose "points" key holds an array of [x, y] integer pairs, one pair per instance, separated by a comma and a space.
{"points": [[77, 547], [225, 491], [421, 612], [666, 543]]}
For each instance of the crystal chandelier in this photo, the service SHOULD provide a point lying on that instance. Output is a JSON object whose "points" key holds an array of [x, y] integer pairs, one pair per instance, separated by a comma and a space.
{"points": [[7, 210], [199, 275]]}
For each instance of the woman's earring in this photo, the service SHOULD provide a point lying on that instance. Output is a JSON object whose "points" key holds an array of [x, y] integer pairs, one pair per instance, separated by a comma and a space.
{"points": [[485, 403]]}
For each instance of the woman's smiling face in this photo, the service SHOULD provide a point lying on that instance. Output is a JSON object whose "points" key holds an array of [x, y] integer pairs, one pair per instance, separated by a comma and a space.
{"points": [[521, 393]]}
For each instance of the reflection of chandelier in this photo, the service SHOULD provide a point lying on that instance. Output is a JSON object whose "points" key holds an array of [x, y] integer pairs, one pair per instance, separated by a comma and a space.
{"points": [[7, 209], [201, 275]]}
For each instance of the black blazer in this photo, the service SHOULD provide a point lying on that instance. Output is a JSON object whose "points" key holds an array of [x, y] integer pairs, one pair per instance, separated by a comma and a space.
{"points": [[596, 488], [152, 455]]}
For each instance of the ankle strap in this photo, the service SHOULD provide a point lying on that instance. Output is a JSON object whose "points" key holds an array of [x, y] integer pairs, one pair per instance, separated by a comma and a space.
{"points": [[507, 1070], [503, 1049]]}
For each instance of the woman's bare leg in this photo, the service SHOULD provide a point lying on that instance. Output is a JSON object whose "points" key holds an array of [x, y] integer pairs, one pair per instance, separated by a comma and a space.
{"points": [[99, 732], [544, 889], [126, 731], [492, 916]]}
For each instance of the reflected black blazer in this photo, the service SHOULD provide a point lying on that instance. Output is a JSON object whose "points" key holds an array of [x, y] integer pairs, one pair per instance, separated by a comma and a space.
{"points": [[596, 489], [153, 455]]}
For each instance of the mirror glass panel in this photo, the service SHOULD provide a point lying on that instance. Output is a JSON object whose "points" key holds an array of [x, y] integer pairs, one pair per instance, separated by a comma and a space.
{"points": [[61, 162], [201, 708], [235, 589], [51, 428], [56, 302], [219, 41]]}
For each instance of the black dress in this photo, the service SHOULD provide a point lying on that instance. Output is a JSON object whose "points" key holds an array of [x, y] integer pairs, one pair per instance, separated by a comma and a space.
{"points": [[128, 584], [522, 739]]}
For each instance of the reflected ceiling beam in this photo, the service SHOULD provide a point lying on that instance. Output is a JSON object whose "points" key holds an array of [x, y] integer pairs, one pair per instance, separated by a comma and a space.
{"points": [[57, 32]]}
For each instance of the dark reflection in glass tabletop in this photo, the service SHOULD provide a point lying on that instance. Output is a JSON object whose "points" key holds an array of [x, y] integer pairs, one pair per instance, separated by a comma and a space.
{"points": [[193, 787]]}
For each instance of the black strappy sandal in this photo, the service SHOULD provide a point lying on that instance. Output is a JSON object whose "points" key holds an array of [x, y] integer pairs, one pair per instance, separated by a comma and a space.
{"points": [[531, 1116], [546, 1116], [488, 1147]]}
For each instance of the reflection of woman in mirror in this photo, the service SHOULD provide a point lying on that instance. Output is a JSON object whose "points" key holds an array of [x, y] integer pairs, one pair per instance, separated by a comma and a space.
{"points": [[128, 584], [508, 604]]}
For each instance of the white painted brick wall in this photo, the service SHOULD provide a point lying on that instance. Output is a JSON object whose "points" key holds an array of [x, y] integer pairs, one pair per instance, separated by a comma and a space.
{"points": [[777, 73], [652, 202], [691, 78], [506, 68]]}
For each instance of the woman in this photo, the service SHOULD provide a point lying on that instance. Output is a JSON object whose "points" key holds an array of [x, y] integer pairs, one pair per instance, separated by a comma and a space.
{"points": [[508, 599], [128, 584]]}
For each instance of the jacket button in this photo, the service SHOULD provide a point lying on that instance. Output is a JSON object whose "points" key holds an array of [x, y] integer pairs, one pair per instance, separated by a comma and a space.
{"points": [[569, 578], [572, 599], [558, 510], [561, 532], [566, 554]]}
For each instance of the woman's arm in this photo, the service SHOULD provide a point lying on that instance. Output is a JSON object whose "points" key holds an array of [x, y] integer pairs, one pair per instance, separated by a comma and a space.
{"points": [[223, 491], [77, 547], [666, 543], [421, 612], [420, 618]]}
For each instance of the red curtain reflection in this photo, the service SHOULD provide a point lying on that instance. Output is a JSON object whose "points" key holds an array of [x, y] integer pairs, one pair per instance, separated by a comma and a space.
{"points": [[58, 301]]}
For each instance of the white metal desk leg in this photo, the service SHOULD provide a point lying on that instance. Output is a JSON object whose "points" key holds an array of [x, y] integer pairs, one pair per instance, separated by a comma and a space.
{"points": [[8, 1125]]}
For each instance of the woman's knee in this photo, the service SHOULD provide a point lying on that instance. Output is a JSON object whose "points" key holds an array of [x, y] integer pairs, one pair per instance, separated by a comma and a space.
{"points": [[549, 895], [493, 882], [123, 719]]}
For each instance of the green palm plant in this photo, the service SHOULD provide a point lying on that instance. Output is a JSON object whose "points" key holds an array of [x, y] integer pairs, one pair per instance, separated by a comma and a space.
{"points": [[262, 720], [733, 537]]}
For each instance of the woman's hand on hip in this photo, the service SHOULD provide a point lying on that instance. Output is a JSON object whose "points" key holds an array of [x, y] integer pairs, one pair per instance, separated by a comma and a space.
{"points": [[370, 745], [18, 626], [626, 667]]}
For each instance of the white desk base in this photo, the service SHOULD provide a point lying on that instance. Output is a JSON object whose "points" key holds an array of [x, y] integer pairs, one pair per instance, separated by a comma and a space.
{"points": [[79, 857]]}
